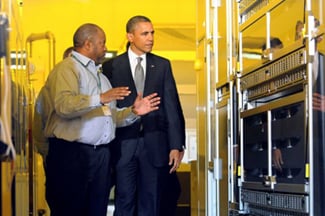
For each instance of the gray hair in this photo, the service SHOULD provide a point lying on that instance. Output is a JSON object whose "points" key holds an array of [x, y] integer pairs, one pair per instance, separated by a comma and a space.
{"points": [[85, 32]]}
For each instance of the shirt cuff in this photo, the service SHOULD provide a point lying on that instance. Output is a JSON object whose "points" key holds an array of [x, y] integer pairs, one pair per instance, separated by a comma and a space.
{"points": [[94, 100], [132, 115]]}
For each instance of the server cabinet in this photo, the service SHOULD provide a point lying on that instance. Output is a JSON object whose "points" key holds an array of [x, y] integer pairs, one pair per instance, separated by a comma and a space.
{"points": [[274, 124], [281, 141], [220, 60], [227, 143]]}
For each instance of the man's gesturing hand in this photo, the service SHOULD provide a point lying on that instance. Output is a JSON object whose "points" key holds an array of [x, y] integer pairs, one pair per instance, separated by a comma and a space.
{"points": [[114, 94], [142, 106]]}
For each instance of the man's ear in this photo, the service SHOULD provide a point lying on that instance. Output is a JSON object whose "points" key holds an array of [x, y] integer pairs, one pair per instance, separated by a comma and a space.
{"points": [[130, 37], [87, 44]]}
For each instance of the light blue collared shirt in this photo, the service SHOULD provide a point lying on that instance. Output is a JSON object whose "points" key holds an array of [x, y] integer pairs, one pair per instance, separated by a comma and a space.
{"points": [[74, 87]]}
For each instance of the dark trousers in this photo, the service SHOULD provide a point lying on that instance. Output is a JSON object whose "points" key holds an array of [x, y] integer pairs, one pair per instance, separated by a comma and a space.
{"points": [[77, 178], [170, 194], [139, 184]]}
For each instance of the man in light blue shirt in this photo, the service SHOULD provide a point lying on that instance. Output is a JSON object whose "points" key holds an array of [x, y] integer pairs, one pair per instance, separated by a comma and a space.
{"points": [[80, 124]]}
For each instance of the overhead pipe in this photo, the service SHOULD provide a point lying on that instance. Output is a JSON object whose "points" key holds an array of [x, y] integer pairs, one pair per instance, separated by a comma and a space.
{"points": [[41, 36]]}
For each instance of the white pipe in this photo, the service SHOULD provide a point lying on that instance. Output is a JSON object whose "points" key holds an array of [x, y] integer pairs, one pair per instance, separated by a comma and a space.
{"points": [[5, 118]]}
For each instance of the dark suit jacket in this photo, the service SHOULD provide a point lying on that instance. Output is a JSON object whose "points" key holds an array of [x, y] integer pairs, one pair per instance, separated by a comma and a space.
{"points": [[319, 140], [163, 129]]}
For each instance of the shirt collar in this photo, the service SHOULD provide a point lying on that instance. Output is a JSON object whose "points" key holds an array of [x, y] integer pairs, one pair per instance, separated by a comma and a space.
{"points": [[133, 56], [83, 59]]}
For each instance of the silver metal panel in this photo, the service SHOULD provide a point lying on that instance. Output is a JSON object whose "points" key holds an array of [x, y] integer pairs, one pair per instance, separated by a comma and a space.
{"points": [[281, 201]]}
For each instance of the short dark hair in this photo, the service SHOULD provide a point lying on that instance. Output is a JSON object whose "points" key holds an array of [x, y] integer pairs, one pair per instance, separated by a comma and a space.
{"points": [[67, 52], [130, 25], [274, 42]]}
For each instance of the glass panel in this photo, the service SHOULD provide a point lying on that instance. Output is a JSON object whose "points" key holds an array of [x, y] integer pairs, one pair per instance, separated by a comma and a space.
{"points": [[283, 20], [318, 8], [253, 37]]}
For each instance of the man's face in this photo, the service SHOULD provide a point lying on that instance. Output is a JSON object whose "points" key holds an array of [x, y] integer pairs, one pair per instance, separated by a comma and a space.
{"points": [[98, 47], [141, 38]]}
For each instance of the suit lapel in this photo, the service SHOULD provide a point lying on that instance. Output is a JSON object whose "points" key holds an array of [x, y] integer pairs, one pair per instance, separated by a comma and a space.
{"points": [[126, 73], [150, 68]]}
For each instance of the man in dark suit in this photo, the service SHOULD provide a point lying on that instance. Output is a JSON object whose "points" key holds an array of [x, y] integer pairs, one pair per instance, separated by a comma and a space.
{"points": [[147, 151]]}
